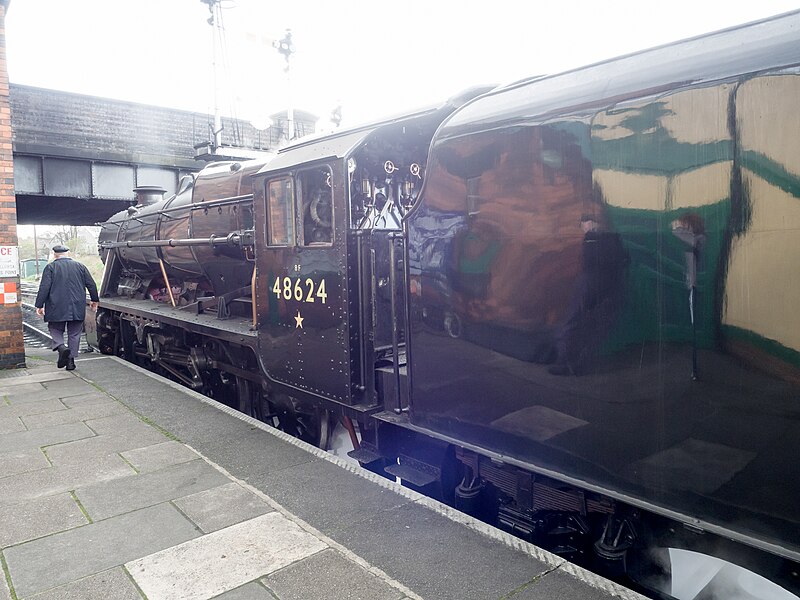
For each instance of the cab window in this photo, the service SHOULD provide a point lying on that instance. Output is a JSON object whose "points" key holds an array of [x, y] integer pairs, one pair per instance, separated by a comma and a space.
{"points": [[280, 203], [315, 205]]}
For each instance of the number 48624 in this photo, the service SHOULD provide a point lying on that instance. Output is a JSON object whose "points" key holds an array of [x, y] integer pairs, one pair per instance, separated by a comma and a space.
{"points": [[299, 290]]}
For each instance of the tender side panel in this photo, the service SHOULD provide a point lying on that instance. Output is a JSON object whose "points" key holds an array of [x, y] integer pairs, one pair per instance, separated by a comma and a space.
{"points": [[612, 295]]}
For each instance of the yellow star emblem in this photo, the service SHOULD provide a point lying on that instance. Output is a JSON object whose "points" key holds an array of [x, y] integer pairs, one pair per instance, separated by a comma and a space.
{"points": [[298, 320]]}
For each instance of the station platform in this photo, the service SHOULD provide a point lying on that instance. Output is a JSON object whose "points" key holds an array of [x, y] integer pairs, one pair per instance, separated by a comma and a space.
{"points": [[118, 484]]}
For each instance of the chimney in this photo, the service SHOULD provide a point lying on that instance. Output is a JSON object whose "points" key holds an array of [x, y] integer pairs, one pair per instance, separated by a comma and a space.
{"points": [[148, 194]]}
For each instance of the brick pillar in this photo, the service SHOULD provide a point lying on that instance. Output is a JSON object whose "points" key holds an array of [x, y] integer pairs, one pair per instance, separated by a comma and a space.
{"points": [[12, 346]]}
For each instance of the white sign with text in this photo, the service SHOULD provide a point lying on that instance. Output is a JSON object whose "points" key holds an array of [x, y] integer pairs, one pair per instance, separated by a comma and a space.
{"points": [[9, 261]]}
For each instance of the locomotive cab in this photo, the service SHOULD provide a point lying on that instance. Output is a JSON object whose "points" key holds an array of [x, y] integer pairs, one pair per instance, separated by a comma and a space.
{"points": [[330, 260]]}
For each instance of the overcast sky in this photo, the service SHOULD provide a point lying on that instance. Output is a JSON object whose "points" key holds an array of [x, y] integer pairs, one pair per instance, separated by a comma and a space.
{"points": [[375, 57]]}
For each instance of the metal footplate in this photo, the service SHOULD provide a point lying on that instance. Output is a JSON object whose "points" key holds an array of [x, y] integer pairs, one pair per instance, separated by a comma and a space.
{"points": [[413, 471], [366, 454]]}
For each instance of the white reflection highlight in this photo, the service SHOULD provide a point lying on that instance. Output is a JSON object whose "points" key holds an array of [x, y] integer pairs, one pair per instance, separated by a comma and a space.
{"points": [[694, 574]]}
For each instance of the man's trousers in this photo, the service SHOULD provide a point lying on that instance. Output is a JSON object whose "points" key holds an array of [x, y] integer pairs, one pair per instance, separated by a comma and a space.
{"points": [[74, 331]]}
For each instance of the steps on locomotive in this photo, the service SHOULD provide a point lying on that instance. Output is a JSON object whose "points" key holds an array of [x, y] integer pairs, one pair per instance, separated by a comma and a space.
{"points": [[413, 471], [365, 454], [418, 466]]}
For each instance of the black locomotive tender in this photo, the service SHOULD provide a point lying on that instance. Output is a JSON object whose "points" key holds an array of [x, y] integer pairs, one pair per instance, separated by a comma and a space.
{"points": [[568, 305]]}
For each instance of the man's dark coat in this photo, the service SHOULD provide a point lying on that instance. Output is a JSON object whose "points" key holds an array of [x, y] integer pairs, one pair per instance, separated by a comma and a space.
{"points": [[62, 291]]}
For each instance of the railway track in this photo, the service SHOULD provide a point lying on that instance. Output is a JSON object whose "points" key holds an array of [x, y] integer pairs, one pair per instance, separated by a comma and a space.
{"points": [[34, 328]]}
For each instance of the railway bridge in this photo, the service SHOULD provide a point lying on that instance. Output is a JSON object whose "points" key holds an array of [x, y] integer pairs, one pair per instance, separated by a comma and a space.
{"points": [[73, 159], [77, 158]]}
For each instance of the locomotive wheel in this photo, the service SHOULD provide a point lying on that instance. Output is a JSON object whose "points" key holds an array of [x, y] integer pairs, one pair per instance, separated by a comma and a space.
{"points": [[246, 401], [106, 341], [311, 424], [249, 399]]}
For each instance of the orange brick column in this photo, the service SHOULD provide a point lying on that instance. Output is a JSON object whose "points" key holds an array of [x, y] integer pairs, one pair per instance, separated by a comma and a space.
{"points": [[12, 348]]}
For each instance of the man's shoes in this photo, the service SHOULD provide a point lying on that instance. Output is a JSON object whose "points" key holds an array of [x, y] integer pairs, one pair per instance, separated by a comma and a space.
{"points": [[63, 356], [70, 364]]}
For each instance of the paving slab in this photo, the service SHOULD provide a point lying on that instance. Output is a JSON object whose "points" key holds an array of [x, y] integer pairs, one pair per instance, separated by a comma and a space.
{"points": [[249, 591], [38, 517], [44, 437], [558, 585], [9, 386], [38, 376], [30, 408], [114, 584], [56, 479], [329, 576], [11, 424], [64, 388], [72, 555], [223, 560], [252, 456], [357, 498], [121, 424], [20, 390], [207, 428], [71, 453], [33, 396], [122, 495], [158, 456], [463, 574], [5, 593], [74, 415], [22, 461], [96, 397], [222, 506]]}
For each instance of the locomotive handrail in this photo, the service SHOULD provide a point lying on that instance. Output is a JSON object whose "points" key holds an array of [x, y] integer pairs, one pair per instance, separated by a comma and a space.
{"points": [[393, 237], [194, 206], [235, 239], [216, 203]]}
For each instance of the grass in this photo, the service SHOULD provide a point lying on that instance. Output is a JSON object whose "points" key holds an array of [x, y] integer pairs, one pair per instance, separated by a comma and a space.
{"points": [[80, 506], [7, 574]]}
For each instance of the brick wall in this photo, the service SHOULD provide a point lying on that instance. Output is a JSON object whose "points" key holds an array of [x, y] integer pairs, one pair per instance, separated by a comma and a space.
{"points": [[12, 348]]}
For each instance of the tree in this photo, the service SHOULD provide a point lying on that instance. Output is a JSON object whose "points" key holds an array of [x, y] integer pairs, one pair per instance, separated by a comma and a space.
{"points": [[64, 234]]}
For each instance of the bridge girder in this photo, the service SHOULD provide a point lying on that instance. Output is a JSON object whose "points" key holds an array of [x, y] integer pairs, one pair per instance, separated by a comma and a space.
{"points": [[54, 190]]}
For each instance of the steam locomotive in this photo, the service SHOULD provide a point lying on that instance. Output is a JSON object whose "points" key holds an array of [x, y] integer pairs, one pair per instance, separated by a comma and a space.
{"points": [[567, 305]]}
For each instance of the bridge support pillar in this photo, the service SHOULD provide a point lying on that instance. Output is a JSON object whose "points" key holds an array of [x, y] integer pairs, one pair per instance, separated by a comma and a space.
{"points": [[12, 345]]}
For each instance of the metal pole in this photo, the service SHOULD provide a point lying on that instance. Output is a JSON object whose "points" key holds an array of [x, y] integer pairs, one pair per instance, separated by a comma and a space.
{"points": [[286, 48], [36, 250], [395, 333], [166, 281], [214, 21], [692, 306], [253, 298], [217, 117], [290, 110]]}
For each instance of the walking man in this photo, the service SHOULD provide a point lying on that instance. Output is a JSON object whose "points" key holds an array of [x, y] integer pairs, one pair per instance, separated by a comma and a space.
{"points": [[62, 302]]}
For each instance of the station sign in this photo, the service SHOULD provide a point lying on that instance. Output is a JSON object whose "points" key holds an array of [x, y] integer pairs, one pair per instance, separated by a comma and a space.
{"points": [[9, 261]]}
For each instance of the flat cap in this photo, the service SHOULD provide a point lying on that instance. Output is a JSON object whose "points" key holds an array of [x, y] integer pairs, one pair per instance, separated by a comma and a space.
{"points": [[60, 249]]}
